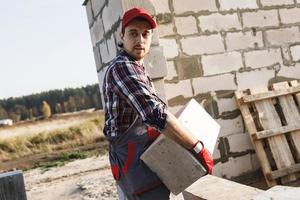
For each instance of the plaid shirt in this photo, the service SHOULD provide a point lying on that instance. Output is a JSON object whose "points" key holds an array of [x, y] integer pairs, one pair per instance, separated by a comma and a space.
{"points": [[128, 91]]}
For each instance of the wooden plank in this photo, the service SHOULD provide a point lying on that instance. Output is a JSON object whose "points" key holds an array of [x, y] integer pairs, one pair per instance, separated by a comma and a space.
{"points": [[257, 144], [291, 114], [296, 83], [12, 186], [270, 94], [282, 172], [269, 119], [276, 131]]}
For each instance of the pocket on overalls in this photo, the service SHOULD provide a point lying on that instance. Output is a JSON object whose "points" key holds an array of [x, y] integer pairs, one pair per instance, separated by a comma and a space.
{"points": [[138, 177], [115, 171], [141, 179], [113, 160], [130, 157]]}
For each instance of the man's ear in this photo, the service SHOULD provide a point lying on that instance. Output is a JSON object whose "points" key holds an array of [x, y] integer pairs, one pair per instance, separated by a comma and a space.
{"points": [[121, 35]]}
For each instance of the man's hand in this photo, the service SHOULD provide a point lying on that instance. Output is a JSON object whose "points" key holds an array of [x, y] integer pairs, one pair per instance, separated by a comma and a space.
{"points": [[203, 155]]}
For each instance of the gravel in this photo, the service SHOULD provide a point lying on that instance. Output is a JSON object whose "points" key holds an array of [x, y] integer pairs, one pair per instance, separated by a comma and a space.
{"points": [[86, 179]]}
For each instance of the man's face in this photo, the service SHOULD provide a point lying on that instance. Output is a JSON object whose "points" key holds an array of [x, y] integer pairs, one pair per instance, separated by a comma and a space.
{"points": [[137, 38]]}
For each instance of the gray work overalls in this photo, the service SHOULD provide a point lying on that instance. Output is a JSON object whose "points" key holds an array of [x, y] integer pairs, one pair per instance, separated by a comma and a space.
{"points": [[136, 180]]}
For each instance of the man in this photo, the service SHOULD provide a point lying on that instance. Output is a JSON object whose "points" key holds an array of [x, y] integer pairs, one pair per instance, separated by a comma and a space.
{"points": [[135, 115]]}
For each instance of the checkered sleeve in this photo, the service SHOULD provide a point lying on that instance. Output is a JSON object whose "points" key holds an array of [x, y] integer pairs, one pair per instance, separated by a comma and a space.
{"points": [[132, 84]]}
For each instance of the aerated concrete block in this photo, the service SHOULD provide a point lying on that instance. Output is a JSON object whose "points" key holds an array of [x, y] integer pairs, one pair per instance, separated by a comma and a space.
{"points": [[279, 193], [155, 62], [176, 166], [215, 188]]}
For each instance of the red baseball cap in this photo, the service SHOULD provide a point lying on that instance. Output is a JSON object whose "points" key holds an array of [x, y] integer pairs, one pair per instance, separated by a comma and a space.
{"points": [[129, 15]]}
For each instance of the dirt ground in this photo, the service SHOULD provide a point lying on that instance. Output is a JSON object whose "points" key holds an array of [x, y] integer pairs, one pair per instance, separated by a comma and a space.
{"points": [[86, 179]]}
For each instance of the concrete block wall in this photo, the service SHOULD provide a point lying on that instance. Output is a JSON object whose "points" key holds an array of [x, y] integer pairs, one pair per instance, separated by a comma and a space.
{"points": [[214, 47], [206, 50]]}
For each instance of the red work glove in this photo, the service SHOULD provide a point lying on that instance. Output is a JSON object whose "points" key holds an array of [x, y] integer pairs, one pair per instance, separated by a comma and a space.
{"points": [[152, 133], [203, 155]]}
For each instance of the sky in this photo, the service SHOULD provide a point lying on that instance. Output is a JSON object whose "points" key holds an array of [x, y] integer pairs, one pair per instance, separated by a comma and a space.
{"points": [[44, 45]]}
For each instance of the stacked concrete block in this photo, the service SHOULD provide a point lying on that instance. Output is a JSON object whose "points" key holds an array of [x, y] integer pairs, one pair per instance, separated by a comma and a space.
{"points": [[182, 6], [160, 88], [89, 12], [147, 4], [155, 40], [220, 22], [265, 3], [261, 18], [212, 187], [267, 57], [165, 29], [209, 44], [171, 71], [236, 141], [236, 4], [295, 51], [212, 83], [231, 126], [161, 6], [291, 72], [108, 49], [97, 6], [283, 36], [279, 192], [289, 16], [188, 67], [234, 166], [222, 63], [286, 56], [244, 40], [208, 49], [97, 31], [170, 47], [183, 88], [226, 104], [249, 79], [186, 25], [97, 57], [155, 62]]}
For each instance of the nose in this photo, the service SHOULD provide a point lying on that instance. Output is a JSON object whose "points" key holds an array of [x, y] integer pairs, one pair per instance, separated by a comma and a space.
{"points": [[140, 39]]}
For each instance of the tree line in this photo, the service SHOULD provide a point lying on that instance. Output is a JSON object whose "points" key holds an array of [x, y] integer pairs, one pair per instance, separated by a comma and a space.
{"points": [[39, 105]]}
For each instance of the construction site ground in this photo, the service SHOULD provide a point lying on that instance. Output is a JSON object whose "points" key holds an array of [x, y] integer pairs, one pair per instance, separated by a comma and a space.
{"points": [[83, 179]]}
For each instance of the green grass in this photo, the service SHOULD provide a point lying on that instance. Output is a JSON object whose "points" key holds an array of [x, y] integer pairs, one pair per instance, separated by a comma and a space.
{"points": [[65, 158], [87, 132]]}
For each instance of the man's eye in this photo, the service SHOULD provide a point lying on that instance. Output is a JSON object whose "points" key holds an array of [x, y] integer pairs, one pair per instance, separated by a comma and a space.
{"points": [[146, 35], [133, 34]]}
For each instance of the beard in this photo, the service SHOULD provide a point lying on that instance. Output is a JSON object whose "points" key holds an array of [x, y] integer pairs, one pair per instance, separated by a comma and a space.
{"points": [[138, 52]]}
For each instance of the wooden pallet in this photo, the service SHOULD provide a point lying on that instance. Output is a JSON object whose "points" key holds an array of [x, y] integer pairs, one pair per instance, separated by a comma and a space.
{"points": [[272, 118]]}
